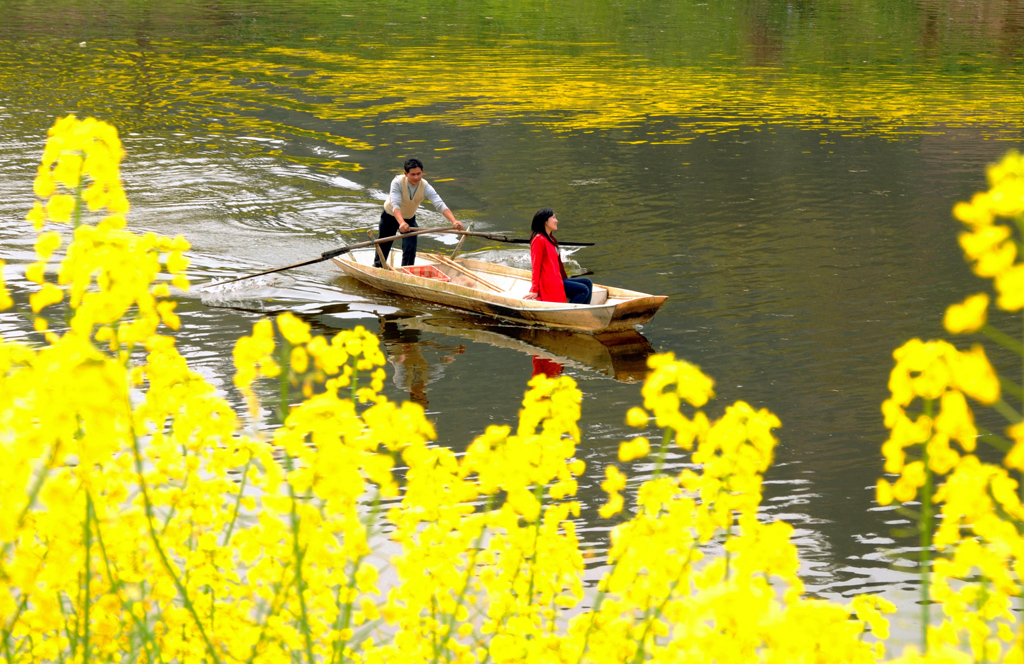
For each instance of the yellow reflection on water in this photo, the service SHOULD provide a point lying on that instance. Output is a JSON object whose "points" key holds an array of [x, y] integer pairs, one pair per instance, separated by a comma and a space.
{"points": [[308, 91]]}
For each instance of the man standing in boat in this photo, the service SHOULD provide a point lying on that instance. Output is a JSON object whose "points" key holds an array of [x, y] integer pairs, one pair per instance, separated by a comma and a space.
{"points": [[399, 215]]}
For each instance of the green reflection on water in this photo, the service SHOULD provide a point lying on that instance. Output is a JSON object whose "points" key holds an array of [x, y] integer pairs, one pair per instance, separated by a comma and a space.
{"points": [[658, 73]]}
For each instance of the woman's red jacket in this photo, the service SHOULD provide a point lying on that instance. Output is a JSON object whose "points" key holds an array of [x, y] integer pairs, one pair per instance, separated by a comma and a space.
{"points": [[547, 270]]}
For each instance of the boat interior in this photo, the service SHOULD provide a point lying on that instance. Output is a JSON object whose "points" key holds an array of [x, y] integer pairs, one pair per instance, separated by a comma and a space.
{"points": [[442, 268]]}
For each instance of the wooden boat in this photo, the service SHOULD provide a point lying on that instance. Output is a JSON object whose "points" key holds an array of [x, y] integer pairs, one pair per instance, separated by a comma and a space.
{"points": [[497, 291]]}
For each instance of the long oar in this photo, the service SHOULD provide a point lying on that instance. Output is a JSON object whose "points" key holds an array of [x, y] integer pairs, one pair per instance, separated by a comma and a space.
{"points": [[327, 255], [500, 237]]}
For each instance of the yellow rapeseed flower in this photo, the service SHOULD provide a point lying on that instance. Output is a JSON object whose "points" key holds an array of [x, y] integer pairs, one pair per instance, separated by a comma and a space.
{"points": [[299, 360], [967, 316], [60, 208], [976, 214], [5, 297], [47, 243], [636, 448], [973, 374], [49, 294], [956, 420], [294, 330], [984, 240], [637, 417], [1010, 285], [68, 170], [883, 492]]}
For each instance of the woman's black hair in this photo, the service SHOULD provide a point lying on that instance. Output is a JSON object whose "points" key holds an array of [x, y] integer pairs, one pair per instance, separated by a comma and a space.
{"points": [[413, 163], [537, 226]]}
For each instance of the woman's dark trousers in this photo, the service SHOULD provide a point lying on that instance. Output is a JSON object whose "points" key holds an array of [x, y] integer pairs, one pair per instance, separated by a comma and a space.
{"points": [[577, 290]]}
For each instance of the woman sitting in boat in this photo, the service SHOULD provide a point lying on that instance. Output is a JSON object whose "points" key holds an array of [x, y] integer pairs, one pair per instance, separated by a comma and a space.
{"points": [[550, 282]]}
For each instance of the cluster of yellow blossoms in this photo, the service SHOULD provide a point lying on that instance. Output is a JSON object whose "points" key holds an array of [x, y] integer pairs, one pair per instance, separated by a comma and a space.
{"points": [[663, 598], [145, 520], [992, 221], [974, 537], [107, 271]]}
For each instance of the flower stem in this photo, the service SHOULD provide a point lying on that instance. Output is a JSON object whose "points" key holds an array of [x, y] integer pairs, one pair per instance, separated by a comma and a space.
{"points": [[297, 550], [118, 586], [275, 606], [1003, 339], [32, 496], [599, 599], [345, 618], [1007, 411], [238, 500], [148, 505], [469, 577], [539, 495], [926, 537], [88, 575], [666, 438], [299, 553]]}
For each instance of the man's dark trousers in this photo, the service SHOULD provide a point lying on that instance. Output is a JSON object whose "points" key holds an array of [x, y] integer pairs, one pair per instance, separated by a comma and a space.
{"points": [[388, 227]]}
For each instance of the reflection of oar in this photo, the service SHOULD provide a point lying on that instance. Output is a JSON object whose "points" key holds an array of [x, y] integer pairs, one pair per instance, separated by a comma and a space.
{"points": [[327, 255]]}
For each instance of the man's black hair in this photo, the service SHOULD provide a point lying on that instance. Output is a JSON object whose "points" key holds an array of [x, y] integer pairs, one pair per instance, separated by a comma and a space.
{"points": [[413, 163]]}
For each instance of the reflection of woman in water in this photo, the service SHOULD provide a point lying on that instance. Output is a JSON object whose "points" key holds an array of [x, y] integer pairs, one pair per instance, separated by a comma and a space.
{"points": [[550, 282], [413, 372], [542, 365]]}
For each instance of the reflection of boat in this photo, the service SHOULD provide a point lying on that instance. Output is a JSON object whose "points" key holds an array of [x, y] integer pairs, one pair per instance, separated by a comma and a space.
{"points": [[409, 354], [621, 355], [497, 290]]}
